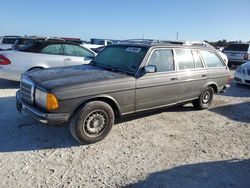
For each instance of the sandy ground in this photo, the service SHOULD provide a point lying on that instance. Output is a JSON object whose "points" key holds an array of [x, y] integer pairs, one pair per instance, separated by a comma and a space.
{"points": [[176, 147]]}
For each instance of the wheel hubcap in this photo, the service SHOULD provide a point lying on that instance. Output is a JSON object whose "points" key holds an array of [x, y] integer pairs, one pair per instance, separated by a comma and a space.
{"points": [[206, 97], [94, 123]]}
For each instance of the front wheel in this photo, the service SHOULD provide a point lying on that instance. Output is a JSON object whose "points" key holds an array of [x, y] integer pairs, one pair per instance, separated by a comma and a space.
{"points": [[92, 123], [205, 98]]}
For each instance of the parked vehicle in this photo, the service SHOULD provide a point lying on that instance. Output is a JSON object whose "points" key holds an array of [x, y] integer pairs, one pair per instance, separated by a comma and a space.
{"points": [[24, 41], [6, 42], [237, 53], [122, 79], [97, 43], [242, 74], [40, 55], [99, 49]]}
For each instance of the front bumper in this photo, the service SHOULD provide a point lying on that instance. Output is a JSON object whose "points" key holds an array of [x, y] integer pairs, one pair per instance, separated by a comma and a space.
{"points": [[46, 118], [241, 79]]}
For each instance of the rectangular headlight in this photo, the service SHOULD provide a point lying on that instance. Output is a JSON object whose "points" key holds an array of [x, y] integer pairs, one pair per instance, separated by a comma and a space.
{"points": [[41, 98]]}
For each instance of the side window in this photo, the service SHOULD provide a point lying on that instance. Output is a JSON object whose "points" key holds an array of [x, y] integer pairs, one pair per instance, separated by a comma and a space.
{"points": [[185, 59], [163, 60], [197, 59], [55, 49], [73, 50], [211, 59]]}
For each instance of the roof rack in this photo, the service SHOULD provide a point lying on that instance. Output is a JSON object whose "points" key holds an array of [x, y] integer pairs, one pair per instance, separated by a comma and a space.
{"points": [[197, 43], [152, 41], [149, 41]]}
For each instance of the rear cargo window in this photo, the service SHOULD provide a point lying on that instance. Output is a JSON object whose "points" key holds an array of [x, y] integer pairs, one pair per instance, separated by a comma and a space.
{"points": [[211, 59], [237, 47]]}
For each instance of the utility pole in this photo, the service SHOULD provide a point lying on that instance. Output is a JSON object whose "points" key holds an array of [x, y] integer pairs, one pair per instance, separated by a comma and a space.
{"points": [[177, 36]]}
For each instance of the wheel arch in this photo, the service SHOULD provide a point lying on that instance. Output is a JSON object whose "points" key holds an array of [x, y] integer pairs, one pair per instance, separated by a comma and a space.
{"points": [[213, 85], [36, 67], [104, 98]]}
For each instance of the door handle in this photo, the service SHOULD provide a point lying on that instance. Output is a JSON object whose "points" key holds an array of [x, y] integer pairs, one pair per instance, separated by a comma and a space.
{"points": [[174, 79], [67, 59], [204, 75]]}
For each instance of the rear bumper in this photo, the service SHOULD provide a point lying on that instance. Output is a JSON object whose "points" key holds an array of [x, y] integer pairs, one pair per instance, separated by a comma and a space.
{"points": [[223, 90], [58, 119]]}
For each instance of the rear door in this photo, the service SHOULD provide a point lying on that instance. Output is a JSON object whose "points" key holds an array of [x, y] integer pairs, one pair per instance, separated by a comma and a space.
{"points": [[192, 73], [217, 71], [51, 56], [76, 55]]}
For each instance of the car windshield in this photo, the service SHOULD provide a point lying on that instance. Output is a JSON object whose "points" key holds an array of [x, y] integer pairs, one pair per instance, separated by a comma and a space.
{"points": [[122, 58], [237, 47]]}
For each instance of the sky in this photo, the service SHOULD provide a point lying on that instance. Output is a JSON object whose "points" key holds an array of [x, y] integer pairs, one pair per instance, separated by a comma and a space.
{"points": [[210, 20]]}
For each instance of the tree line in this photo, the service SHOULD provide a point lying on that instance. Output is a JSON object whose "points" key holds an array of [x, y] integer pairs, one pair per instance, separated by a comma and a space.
{"points": [[223, 43]]}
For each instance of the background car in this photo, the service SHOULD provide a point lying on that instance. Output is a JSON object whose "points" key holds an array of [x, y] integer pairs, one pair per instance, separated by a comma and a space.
{"points": [[237, 53], [42, 54], [242, 74], [6, 42]]}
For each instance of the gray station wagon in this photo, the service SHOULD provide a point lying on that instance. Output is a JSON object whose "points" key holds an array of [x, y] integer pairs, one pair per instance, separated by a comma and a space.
{"points": [[123, 79]]}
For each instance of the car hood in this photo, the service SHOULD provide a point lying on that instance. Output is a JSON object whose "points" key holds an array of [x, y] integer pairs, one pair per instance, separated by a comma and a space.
{"points": [[68, 77]]}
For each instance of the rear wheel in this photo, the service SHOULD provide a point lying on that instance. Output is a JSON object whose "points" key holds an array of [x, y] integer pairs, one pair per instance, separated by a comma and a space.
{"points": [[205, 98], [92, 123]]}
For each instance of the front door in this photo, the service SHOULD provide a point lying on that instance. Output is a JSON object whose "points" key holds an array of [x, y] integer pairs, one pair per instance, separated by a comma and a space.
{"points": [[159, 88], [192, 73], [76, 55]]}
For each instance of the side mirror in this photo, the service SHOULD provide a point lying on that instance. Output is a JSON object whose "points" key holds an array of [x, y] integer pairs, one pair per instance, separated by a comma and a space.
{"points": [[149, 69]]}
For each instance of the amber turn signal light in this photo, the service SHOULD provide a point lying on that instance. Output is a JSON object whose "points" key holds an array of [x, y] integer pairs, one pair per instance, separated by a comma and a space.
{"points": [[52, 102]]}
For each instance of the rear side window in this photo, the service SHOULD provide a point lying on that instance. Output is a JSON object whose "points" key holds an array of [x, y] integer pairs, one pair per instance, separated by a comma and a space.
{"points": [[163, 60], [72, 50], [55, 49], [9, 40], [211, 59], [237, 47], [185, 59]]}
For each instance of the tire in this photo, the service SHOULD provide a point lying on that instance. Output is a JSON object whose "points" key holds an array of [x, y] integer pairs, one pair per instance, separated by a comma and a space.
{"points": [[205, 98], [92, 122]]}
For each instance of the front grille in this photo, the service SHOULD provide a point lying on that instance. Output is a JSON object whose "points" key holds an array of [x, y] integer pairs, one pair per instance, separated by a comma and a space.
{"points": [[27, 90]]}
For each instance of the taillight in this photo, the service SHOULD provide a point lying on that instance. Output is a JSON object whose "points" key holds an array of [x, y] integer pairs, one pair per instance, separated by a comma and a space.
{"points": [[4, 60], [246, 56]]}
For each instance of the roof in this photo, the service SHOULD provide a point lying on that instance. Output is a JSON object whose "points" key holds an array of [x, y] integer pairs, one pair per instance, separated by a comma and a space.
{"points": [[39, 45]]}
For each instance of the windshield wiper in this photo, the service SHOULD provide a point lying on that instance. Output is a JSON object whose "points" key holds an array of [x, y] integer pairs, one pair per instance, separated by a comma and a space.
{"points": [[111, 68]]}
